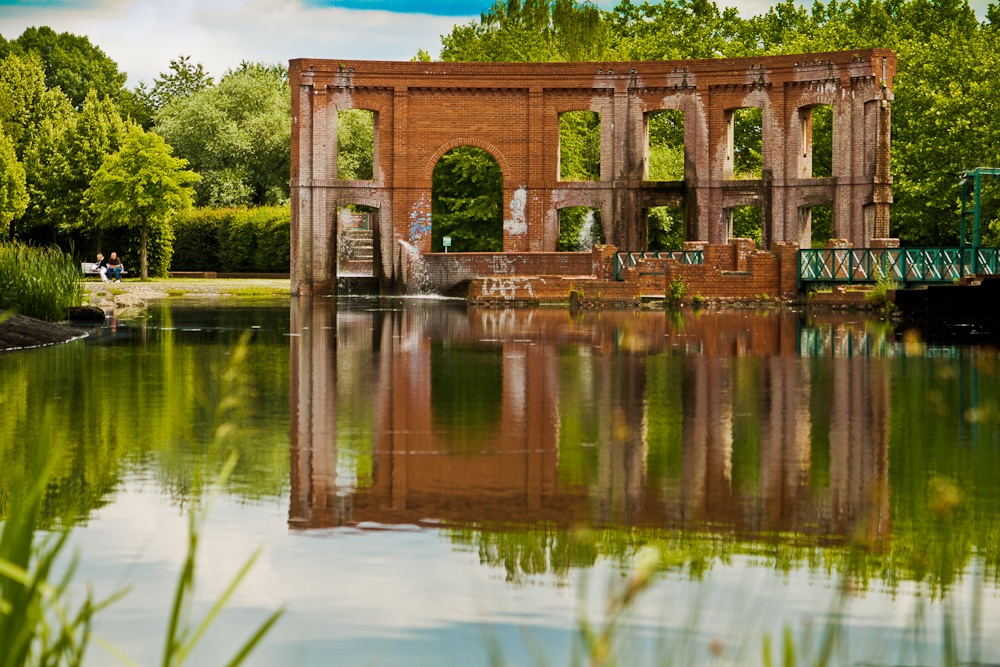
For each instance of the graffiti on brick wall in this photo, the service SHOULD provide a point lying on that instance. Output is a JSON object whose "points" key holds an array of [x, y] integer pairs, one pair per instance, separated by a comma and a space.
{"points": [[420, 220], [502, 265], [508, 289], [517, 223]]}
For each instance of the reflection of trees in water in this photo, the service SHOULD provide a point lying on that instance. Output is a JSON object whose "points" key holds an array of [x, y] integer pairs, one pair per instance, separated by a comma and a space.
{"points": [[147, 403]]}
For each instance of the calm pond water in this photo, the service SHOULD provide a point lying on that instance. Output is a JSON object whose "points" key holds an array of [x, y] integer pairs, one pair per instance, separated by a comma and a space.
{"points": [[433, 485]]}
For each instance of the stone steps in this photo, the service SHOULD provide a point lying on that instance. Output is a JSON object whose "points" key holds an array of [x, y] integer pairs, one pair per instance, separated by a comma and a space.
{"points": [[358, 244]]}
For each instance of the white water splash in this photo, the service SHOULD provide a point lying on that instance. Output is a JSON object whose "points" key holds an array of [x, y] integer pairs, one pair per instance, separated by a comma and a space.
{"points": [[414, 270], [587, 236]]}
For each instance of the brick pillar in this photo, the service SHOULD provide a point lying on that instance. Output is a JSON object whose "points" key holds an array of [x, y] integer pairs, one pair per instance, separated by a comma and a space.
{"points": [[301, 190], [882, 193], [741, 252], [324, 163], [788, 269]]}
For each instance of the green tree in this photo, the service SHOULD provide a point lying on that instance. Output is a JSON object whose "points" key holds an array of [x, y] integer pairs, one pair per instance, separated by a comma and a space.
{"points": [[25, 101], [141, 185], [183, 78], [72, 64], [467, 201], [65, 158], [13, 194], [530, 31], [236, 135], [355, 144], [580, 146], [35, 119], [672, 30]]}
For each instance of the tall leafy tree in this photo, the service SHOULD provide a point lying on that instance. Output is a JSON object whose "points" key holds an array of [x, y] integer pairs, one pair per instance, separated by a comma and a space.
{"points": [[35, 119], [141, 185], [183, 78], [25, 101], [530, 31], [65, 158], [72, 64], [13, 194], [355, 144], [236, 135]]}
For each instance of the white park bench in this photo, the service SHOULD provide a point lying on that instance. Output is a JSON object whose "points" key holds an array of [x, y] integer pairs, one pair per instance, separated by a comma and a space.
{"points": [[90, 269]]}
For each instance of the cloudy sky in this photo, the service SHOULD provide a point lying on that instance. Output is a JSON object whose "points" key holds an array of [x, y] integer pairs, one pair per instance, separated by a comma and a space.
{"points": [[143, 35]]}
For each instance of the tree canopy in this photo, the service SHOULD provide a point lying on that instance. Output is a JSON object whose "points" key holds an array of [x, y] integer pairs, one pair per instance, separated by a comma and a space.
{"points": [[236, 135], [71, 63], [13, 195], [141, 186]]}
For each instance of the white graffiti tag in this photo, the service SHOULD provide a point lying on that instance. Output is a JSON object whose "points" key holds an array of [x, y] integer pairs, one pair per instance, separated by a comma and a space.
{"points": [[516, 223], [507, 289]]}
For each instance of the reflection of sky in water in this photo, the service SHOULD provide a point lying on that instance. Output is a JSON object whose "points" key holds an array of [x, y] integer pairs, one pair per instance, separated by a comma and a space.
{"points": [[408, 597]]}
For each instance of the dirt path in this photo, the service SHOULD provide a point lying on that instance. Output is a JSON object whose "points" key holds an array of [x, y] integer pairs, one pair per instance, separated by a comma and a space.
{"points": [[97, 291]]}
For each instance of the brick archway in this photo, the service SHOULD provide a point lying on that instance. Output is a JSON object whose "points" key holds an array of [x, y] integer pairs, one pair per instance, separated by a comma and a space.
{"points": [[494, 152], [511, 110]]}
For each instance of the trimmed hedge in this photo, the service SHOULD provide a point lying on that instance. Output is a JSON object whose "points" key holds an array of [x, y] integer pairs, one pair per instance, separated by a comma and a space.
{"points": [[233, 240]]}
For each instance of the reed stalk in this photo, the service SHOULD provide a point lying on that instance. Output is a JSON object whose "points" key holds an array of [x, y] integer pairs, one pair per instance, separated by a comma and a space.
{"points": [[38, 282]]}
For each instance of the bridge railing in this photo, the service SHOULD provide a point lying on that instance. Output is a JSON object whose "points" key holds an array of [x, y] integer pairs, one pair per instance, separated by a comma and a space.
{"points": [[624, 260], [902, 265]]}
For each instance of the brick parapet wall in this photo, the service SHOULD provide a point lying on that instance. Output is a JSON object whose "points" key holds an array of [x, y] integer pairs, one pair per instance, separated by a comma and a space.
{"points": [[763, 275], [445, 272], [734, 271]]}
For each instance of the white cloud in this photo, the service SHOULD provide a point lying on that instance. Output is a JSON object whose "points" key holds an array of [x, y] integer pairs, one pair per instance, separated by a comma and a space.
{"points": [[144, 35]]}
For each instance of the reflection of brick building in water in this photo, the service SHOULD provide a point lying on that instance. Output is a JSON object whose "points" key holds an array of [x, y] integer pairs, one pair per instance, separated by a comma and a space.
{"points": [[427, 465]]}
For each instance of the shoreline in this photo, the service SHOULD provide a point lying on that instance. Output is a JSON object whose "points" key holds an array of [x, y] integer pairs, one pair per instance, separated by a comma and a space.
{"points": [[20, 332]]}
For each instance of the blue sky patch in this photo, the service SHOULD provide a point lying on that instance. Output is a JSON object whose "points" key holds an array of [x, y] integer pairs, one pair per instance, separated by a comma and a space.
{"points": [[432, 7]]}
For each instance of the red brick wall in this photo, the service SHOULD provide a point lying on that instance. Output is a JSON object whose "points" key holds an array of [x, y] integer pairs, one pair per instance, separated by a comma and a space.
{"points": [[512, 111], [734, 271], [764, 275]]}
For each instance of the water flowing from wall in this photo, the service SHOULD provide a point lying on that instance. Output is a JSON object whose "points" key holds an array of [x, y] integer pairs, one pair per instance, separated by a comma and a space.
{"points": [[588, 231], [413, 269]]}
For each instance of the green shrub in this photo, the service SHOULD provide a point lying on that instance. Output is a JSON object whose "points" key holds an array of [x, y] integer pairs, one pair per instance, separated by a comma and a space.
{"points": [[678, 288], [878, 295], [196, 242], [39, 282], [233, 240]]}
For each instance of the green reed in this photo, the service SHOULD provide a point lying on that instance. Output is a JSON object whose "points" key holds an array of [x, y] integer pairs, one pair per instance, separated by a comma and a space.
{"points": [[37, 625], [39, 282]]}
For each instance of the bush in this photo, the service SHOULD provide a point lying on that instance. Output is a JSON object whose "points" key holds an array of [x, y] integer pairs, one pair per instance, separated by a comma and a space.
{"points": [[678, 288], [38, 282], [196, 242], [233, 240]]}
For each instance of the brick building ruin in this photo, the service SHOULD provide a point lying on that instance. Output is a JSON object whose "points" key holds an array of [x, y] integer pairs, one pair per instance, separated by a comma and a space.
{"points": [[512, 110]]}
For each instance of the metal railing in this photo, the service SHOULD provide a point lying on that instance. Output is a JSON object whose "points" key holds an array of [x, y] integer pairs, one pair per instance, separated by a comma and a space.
{"points": [[624, 260], [902, 265]]}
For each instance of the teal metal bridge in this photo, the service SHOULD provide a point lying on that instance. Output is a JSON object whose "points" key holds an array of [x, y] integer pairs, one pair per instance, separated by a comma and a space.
{"points": [[625, 260], [912, 265], [901, 265]]}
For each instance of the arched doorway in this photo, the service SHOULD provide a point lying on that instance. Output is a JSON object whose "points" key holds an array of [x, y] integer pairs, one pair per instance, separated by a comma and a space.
{"points": [[467, 201]]}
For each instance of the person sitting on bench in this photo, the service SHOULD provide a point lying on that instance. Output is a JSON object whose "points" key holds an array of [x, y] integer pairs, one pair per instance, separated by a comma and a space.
{"points": [[102, 267], [115, 268]]}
